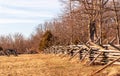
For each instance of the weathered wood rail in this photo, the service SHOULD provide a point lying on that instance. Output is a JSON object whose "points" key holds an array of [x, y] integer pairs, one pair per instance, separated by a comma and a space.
{"points": [[89, 51], [92, 53]]}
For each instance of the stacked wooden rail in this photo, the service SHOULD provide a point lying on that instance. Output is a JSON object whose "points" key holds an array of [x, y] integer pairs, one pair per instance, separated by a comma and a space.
{"points": [[93, 53]]}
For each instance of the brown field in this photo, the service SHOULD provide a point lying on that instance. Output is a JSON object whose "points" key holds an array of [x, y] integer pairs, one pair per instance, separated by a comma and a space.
{"points": [[49, 65]]}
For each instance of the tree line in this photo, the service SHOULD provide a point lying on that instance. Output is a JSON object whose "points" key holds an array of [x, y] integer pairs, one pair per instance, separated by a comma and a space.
{"points": [[72, 26]]}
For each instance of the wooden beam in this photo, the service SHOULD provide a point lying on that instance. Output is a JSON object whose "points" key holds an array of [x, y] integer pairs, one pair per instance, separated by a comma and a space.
{"points": [[67, 53], [105, 66], [97, 46], [86, 54], [95, 58], [100, 48], [75, 54], [117, 48], [109, 51], [113, 40], [87, 48]]}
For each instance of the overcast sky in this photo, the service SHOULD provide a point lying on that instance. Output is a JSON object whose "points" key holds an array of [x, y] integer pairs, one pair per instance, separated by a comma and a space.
{"points": [[24, 15]]}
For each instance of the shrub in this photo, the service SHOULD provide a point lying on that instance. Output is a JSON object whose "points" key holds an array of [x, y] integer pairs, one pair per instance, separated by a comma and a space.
{"points": [[46, 40]]}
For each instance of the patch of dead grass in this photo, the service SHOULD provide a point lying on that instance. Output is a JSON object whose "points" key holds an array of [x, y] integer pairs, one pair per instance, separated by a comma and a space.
{"points": [[49, 65]]}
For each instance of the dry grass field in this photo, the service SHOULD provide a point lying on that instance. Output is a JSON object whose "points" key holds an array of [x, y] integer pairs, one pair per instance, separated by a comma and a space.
{"points": [[49, 65]]}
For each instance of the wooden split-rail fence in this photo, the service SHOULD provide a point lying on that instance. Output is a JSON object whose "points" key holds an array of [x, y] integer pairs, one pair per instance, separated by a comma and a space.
{"points": [[91, 52], [94, 53]]}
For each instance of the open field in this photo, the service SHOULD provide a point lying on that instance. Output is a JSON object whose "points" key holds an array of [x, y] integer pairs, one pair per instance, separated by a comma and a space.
{"points": [[49, 65]]}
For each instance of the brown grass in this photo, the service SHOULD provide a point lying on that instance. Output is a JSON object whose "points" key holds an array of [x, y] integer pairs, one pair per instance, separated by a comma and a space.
{"points": [[49, 65]]}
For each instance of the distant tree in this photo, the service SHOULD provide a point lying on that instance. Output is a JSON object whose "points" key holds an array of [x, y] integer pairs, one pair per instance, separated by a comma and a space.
{"points": [[46, 40]]}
